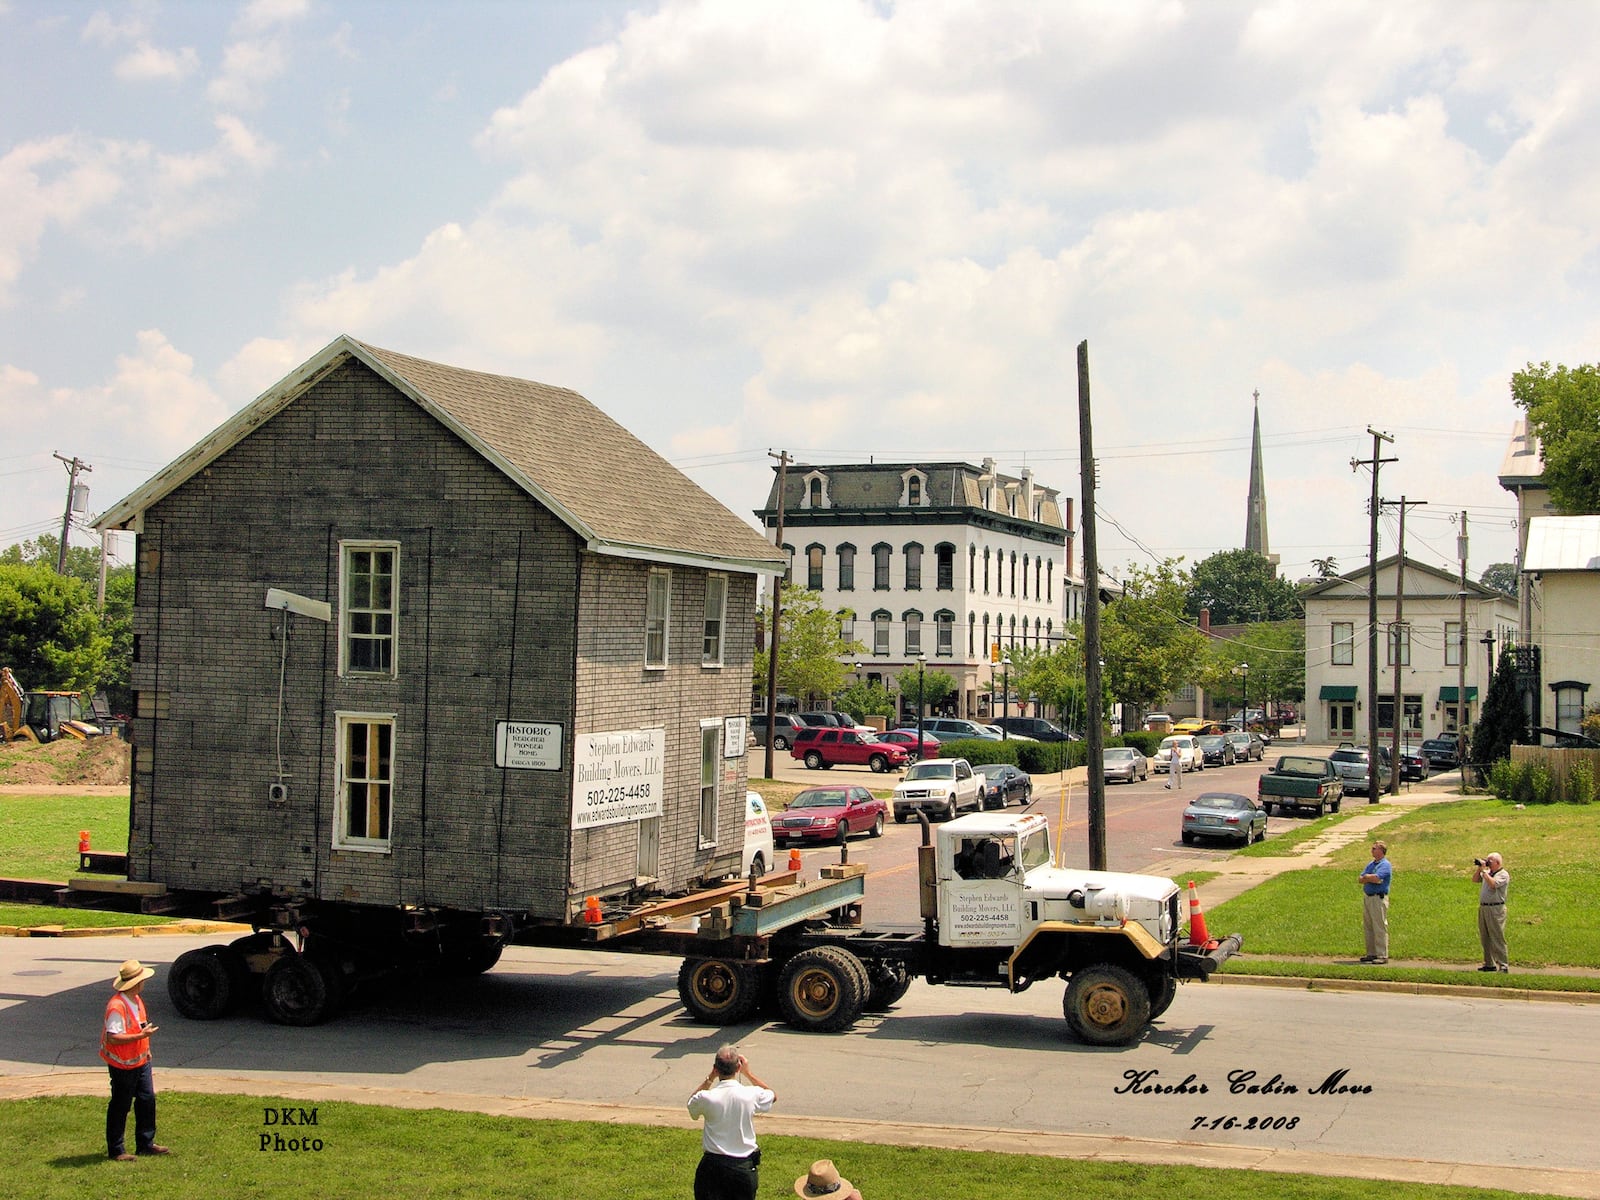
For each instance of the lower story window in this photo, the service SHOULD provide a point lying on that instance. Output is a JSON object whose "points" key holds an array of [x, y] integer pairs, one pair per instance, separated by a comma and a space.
{"points": [[710, 758], [363, 807]]}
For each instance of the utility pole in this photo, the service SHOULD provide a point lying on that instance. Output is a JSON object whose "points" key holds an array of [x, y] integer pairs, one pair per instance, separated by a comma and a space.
{"points": [[777, 608], [75, 467], [1375, 463], [1093, 731], [1461, 650], [1398, 631]]}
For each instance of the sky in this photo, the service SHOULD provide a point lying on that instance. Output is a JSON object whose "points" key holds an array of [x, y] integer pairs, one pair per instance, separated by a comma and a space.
{"points": [[843, 229]]}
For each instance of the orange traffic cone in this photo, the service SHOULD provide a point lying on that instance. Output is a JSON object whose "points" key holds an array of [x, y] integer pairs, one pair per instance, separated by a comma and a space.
{"points": [[83, 841], [794, 859], [1199, 935]]}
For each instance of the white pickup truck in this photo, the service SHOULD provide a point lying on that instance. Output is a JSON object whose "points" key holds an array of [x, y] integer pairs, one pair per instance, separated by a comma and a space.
{"points": [[940, 787]]}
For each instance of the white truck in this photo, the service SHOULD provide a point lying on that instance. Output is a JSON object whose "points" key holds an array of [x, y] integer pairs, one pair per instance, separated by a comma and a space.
{"points": [[939, 787]]}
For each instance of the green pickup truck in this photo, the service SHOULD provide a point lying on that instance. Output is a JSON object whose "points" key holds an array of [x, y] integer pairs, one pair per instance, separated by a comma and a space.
{"points": [[1298, 781]]}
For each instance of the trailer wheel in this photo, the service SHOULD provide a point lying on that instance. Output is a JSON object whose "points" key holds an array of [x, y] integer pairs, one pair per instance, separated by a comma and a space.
{"points": [[1106, 1005], [718, 992], [201, 984], [469, 958], [297, 991], [822, 990], [1162, 993], [887, 980]]}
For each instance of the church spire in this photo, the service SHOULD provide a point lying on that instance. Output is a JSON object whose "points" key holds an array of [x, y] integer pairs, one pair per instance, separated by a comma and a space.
{"points": [[1255, 526]]}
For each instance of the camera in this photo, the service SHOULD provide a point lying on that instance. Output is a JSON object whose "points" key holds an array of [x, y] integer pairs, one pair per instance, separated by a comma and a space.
{"points": [[1478, 862]]}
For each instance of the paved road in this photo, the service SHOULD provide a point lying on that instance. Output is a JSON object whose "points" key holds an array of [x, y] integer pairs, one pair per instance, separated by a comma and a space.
{"points": [[599, 1029]]}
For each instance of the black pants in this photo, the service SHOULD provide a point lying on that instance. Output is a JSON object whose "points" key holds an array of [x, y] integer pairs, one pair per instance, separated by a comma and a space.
{"points": [[137, 1088], [719, 1177]]}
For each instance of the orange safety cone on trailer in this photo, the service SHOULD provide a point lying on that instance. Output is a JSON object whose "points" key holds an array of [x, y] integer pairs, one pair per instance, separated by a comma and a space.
{"points": [[591, 911], [1199, 935], [794, 858], [83, 841]]}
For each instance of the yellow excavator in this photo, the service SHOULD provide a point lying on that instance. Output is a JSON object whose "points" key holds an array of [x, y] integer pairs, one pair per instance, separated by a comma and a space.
{"points": [[42, 716]]}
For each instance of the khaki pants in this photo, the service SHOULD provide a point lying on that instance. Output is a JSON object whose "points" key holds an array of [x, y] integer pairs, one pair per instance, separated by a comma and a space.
{"points": [[1375, 924], [1492, 933]]}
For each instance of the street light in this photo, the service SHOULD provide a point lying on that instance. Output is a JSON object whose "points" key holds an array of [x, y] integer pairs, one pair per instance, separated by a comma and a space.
{"points": [[922, 661], [1488, 648], [1005, 696], [1244, 706]]}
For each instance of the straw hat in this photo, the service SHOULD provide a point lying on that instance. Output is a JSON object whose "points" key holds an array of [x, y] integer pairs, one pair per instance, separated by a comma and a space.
{"points": [[132, 974], [824, 1180]]}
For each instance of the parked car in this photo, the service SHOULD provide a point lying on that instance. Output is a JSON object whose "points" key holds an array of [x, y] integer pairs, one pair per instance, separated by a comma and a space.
{"points": [[1001, 783], [940, 788], [1351, 764], [838, 720], [1036, 728], [1247, 746], [906, 739], [1189, 754], [784, 727], [820, 748], [758, 845], [1443, 751], [1124, 762], [1300, 781], [950, 729], [1224, 815], [1413, 764], [829, 814], [1217, 750]]}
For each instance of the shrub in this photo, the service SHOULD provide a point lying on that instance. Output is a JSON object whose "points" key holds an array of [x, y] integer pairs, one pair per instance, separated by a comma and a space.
{"points": [[1580, 783], [1502, 778], [1144, 740], [1541, 785]]}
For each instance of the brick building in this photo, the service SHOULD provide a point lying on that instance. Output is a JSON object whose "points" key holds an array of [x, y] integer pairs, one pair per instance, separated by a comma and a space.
{"points": [[407, 634]]}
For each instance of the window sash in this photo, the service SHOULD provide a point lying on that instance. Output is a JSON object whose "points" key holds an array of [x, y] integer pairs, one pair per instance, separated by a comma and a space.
{"points": [[1399, 643], [1452, 643], [710, 759], [913, 568], [913, 636], [847, 568], [880, 636], [1344, 643], [658, 608], [716, 610], [814, 568], [365, 769], [880, 568], [945, 635], [369, 607]]}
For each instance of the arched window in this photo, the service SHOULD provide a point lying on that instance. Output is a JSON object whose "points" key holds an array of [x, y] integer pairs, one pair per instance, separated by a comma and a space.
{"points": [[880, 634], [972, 566], [880, 567], [814, 567], [847, 568], [944, 627], [944, 555], [788, 565], [1013, 578], [1024, 576], [913, 552], [913, 621], [986, 570], [1050, 581], [972, 634]]}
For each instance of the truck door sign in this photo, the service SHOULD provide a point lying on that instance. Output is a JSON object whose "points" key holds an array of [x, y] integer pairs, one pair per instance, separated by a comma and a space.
{"points": [[985, 897], [617, 777]]}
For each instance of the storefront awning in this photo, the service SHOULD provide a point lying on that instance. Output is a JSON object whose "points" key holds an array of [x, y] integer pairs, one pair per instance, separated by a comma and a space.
{"points": [[1447, 695], [1338, 691]]}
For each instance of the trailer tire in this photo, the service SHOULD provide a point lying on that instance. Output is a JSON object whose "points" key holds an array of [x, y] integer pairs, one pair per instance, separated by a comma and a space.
{"points": [[887, 981], [202, 985], [822, 990], [466, 959], [1106, 1005], [717, 991], [298, 991]]}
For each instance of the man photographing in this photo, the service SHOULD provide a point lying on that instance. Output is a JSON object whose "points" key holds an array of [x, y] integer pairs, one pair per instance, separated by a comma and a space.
{"points": [[1493, 881], [730, 1157]]}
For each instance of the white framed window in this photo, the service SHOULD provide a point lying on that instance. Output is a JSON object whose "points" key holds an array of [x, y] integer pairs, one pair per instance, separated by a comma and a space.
{"points": [[847, 568], [369, 605], [1399, 641], [944, 625], [710, 760], [880, 634], [1452, 643], [364, 765], [716, 612], [880, 567], [913, 554], [814, 567], [1344, 643], [913, 620], [1569, 695], [657, 612]]}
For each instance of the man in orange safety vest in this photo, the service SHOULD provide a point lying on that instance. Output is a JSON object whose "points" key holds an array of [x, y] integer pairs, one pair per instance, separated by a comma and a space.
{"points": [[125, 1047]]}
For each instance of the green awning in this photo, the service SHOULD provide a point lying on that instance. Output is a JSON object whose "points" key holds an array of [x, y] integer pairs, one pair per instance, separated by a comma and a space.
{"points": [[1338, 691], [1447, 695]]}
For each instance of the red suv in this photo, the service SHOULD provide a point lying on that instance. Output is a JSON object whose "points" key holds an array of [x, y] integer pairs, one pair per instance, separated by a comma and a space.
{"points": [[819, 748]]}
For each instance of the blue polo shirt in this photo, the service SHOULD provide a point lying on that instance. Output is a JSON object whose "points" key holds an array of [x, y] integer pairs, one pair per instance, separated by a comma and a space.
{"points": [[1381, 868]]}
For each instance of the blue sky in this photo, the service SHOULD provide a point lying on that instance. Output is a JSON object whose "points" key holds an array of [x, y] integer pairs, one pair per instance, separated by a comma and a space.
{"points": [[842, 229]]}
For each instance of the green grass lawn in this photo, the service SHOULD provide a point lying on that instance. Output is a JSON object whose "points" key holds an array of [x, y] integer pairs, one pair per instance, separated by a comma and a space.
{"points": [[1552, 919], [39, 833], [51, 1149]]}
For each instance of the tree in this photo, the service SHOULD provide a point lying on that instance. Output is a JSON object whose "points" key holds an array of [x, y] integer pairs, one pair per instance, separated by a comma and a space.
{"points": [[50, 634], [812, 652], [1563, 406], [1239, 587], [1503, 577], [862, 698], [1326, 568], [934, 687], [1149, 647], [1502, 722], [83, 562], [1276, 654]]}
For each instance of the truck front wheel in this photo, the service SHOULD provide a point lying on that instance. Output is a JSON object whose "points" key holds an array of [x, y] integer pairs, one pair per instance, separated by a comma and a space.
{"points": [[887, 981], [823, 990], [718, 992], [201, 985], [1106, 1005], [1163, 991]]}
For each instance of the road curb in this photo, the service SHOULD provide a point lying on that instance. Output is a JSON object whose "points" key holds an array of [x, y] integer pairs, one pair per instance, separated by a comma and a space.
{"points": [[1315, 983]]}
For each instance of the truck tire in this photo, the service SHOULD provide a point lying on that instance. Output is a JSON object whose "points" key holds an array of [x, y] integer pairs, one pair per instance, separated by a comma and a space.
{"points": [[823, 990], [1106, 1005], [879, 764], [1162, 992], [297, 991], [717, 991], [202, 986], [950, 809], [900, 818], [877, 826], [813, 760], [887, 981]]}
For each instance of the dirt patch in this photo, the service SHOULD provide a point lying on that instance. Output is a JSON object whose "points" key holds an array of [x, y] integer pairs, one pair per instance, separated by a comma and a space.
{"points": [[99, 762]]}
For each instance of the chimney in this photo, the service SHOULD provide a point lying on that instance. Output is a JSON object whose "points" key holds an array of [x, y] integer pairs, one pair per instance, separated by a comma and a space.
{"points": [[1205, 620]]}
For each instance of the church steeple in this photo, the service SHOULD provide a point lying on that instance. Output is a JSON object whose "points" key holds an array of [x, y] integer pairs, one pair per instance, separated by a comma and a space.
{"points": [[1255, 525]]}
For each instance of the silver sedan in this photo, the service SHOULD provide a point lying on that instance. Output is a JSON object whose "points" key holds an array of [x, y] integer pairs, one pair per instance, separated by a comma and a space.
{"points": [[1124, 762]]}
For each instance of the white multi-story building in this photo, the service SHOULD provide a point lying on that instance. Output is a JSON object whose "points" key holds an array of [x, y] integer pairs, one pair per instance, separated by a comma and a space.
{"points": [[933, 562]]}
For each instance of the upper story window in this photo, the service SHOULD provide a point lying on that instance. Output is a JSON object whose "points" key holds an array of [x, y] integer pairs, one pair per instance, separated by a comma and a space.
{"points": [[847, 568], [1038, 570], [657, 611], [1344, 643], [944, 555], [1013, 572], [1399, 641], [1569, 695], [944, 627], [880, 567], [816, 493], [788, 563], [1452, 643], [913, 621], [913, 489], [716, 614], [847, 626], [365, 769], [913, 567], [972, 634], [1050, 582], [986, 570], [814, 567], [370, 605], [972, 566], [1024, 576]]}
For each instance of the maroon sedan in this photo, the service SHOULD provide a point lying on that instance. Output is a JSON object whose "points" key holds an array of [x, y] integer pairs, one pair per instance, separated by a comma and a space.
{"points": [[829, 814], [906, 739]]}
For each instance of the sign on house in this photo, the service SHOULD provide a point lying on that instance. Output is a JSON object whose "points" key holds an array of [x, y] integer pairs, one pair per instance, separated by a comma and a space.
{"points": [[527, 745], [617, 777]]}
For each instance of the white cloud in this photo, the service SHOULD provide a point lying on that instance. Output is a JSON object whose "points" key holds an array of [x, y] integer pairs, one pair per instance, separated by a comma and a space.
{"points": [[259, 54], [144, 60]]}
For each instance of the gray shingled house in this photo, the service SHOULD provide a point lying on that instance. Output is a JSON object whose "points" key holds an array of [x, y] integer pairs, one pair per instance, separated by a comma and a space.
{"points": [[411, 635]]}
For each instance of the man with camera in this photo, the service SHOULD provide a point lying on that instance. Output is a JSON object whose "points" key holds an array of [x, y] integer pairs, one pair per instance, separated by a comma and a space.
{"points": [[730, 1159], [1493, 880]]}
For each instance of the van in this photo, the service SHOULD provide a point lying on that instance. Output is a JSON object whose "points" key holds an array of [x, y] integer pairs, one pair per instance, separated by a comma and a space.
{"points": [[758, 849]]}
